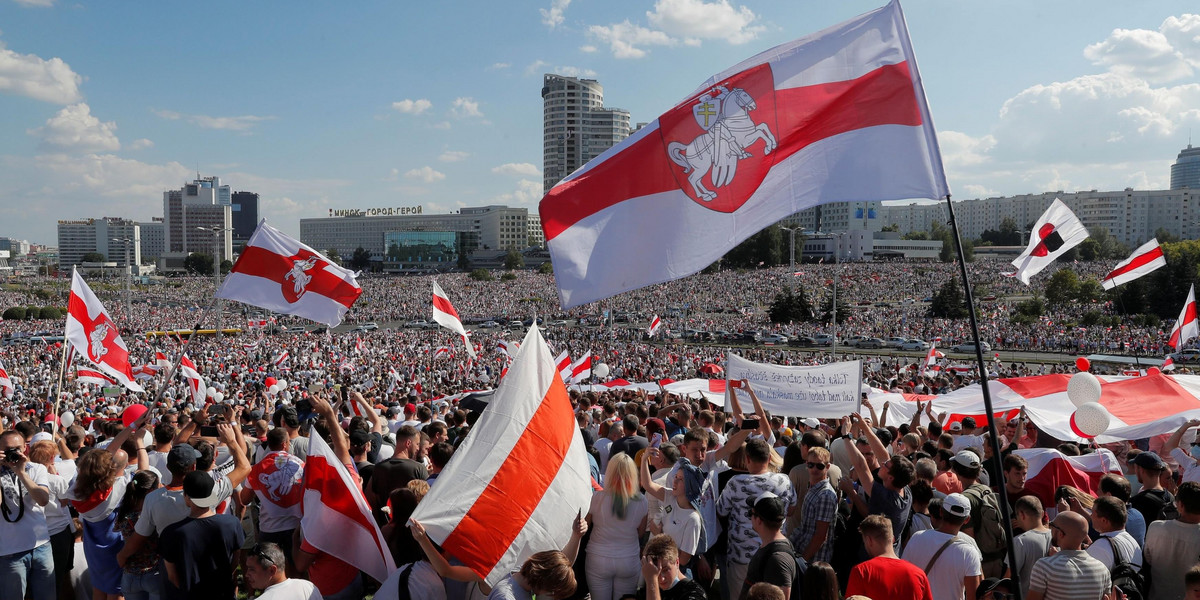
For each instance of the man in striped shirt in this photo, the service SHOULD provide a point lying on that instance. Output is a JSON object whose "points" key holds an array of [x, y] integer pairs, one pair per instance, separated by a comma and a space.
{"points": [[1071, 574]]}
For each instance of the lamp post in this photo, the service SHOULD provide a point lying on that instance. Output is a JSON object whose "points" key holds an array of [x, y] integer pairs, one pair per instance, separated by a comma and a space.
{"points": [[127, 242], [216, 232], [792, 232]]}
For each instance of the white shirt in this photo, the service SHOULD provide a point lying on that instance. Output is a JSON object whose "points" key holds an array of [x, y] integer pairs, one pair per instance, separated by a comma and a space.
{"points": [[1191, 468], [682, 524], [58, 516], [1101, 550], [292, 589], [158, 461], [423, 582], [966, 440], [961, 559], [30, 530]]}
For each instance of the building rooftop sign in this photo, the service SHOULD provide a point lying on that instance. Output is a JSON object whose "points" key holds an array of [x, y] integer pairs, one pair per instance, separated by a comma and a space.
{"points": [[375, 212]]}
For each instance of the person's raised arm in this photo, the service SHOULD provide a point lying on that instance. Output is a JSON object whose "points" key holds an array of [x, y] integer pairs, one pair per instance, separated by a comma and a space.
{"points": [[578, 528], [338, 439], [127, 432], [877, 446], [862, 472], [372, 416], [1173, 442], [764, 426], [732, 443], [187, 431], [871, 407], [648, 484], [241, 464], [916, 419], [735, 406], [439, 562]]}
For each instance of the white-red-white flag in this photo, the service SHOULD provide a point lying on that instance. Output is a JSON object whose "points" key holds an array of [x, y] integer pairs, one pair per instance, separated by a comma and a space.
{"points": [[146, 371], [282, 358], [839, 115], [161, 360], [581, 369], [1168, 364], [337, 519], [7, 389], [93, 376], [1186, 326], [655, 324], [508, 348], [441, 351], [281, 274], [562, 362], [1145, 259], [94, 335], [195, 382], [445, 315], [1055, 232], [931, 359], [520, 480]]}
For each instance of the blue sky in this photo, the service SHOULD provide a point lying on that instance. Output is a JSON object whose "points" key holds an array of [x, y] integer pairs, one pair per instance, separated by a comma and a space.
{"points": [[343, 105]]}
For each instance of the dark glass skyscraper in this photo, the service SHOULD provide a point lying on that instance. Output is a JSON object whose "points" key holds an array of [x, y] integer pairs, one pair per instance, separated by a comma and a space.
{"points": [[245, 216], [1185, 173]]}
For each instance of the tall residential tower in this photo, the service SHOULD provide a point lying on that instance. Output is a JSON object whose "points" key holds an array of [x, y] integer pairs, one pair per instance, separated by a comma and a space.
{"points": [[1185, 173], [576, 127]]}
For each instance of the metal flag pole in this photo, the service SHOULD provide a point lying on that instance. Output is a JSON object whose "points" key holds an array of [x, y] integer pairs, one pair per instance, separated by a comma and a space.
{"points": [[997, 472]]}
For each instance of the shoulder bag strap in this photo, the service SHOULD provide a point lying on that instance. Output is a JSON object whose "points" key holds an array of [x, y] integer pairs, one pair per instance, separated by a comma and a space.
{"points": [[1118, 560], [938, 554]]}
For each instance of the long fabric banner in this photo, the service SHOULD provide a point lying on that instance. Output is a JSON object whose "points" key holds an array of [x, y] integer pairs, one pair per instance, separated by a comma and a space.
{"points": [[824, 392]]}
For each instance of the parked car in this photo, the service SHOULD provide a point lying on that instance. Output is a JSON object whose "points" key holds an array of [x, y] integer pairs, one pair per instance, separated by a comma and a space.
{"points": [[557, 323], [803, 342], [773, 338], [853, 340], [823, 339], [416, 324], [969, 347], [870, 343], [489, 325], [915, 344], [1190, 355], [895, 342], [516, 325], [295, 329], [366, 327]]}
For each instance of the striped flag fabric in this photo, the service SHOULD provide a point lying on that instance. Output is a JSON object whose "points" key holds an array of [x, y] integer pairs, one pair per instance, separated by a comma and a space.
{"points": [[282, 358], [581, 369], [7, 389], [1168, 364], [445, 315], [145, 371], [508, 348], [278, 273], [655, 324], [1186, 326], [835, 116], [1049, 468], [931, 359], [562, 362], [520, 479], [94, 335], [93, 376], [195, 382], [161, 360], [1147, 258], [336, 518]]}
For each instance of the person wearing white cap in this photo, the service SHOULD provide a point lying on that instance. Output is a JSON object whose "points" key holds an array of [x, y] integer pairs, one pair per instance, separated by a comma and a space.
{"points": [[950, 559]]}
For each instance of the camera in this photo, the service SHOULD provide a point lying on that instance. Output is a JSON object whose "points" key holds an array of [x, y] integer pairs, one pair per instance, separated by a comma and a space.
{"points": [[12, 455]]}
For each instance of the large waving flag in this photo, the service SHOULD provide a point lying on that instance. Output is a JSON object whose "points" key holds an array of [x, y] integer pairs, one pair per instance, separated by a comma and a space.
{"points": [[519, 479], [93, 376], [445, 315], [1145, 259], [337, 519], [655, 325], [94, 335], [1186, 326], [281, 274], [195, 381], [839, 115], [1056, 231], [581, 369]]}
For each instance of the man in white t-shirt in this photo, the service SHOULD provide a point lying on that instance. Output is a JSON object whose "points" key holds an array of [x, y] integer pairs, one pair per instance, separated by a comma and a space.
{"points": [[1108, 518], [965, 438], [27, 562], [265, 571], [956, 572], [1188, 461]]}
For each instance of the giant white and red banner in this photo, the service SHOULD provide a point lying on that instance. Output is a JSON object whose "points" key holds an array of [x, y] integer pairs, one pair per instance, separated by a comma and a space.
{"points": [[839, 115], [521, 476], [93, 334], [824, 391], [281, 274]]}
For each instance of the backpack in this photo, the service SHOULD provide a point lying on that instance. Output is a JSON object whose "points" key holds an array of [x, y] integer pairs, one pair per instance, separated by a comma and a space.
{"points": [[801, 569], [1127, 579], [989, 531]]}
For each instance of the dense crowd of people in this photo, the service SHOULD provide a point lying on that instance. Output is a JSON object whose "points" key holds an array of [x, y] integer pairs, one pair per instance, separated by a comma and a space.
{"points": [[108, 493]]}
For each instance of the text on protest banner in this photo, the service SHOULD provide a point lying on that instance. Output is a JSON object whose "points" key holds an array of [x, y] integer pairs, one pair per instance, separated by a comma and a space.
{"points": [[823, 392]]}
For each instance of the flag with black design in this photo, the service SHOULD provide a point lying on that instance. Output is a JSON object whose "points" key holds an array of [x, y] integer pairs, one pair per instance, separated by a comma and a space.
{"points": [[1056, 232]]}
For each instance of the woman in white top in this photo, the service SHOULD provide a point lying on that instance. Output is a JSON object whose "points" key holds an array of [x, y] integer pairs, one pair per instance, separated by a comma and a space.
{"points": [[618, 517]]}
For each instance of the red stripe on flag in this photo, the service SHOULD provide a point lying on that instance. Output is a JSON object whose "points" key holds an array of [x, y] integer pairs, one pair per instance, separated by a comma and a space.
{"points": [[444, 305], [504, 507], [323, 477], [260, 262], [1136, 263], [805, 115]]}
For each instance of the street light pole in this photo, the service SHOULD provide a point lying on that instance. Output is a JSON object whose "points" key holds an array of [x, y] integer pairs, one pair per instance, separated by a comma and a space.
{"points": [[792, 232]]}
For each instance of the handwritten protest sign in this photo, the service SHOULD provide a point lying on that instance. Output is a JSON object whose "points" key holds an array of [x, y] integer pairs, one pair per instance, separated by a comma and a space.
{"points": [[823, 392]]}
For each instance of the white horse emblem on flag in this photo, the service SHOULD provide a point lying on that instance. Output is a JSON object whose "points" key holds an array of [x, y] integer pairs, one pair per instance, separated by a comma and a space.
{"points": [[729, 131], [300, 275], [96, 349]]}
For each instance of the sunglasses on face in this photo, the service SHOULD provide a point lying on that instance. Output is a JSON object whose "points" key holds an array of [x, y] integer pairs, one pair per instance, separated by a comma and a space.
{"points": [[819, 466]]}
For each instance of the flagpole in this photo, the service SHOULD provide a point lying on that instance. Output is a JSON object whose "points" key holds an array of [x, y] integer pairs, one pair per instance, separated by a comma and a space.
{"points": [[997, 473], [62, 367]]}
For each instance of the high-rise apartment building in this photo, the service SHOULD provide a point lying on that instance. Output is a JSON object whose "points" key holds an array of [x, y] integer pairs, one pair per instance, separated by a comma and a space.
{"points": [[245, 216], [115, 238], [203, 203], [1185, 173], [153, 239], [576, 127]]}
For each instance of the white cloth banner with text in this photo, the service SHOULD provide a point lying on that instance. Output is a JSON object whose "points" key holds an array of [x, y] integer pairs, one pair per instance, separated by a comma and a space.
{"points": [[823, 392]]}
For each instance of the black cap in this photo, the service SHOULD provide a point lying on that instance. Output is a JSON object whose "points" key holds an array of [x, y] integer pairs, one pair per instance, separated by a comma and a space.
{"points": [[359, 437], [1149, 460], [182, 456], [768, 507], [990, 584], [200, 488]]}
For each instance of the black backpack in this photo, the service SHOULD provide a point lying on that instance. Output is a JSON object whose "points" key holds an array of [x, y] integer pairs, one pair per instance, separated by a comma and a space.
{"points": [[798, 580], [1127, 579]]}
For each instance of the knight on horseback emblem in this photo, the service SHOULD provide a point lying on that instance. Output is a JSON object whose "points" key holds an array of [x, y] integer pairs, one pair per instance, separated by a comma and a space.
{"points": [[729, 132]]}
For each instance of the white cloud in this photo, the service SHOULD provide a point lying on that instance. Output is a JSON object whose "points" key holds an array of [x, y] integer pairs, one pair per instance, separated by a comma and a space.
{"points": [[36, 3], [453, 156], [588, 48], [412, 107], [242, 123], [536, 66], [465, 107], [426, 174], [140, 144], [566, 70], [521, 169], [442, 125], [528, 192], [34, 77], [626, 40], [962, 150], [1139, 53], [500, 66], [699, 20], [553, 16], [75, 129]]}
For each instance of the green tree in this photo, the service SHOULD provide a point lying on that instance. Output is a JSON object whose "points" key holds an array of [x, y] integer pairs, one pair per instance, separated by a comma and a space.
{"points": [[198, 263], [513, 260], [1028, 311], [1089, 291], [893, 228], [16, 313], [464, 261], [33, 313], [333, 256], [92, 257], [1062, 288], [767, 247], [915, 235], [1089, 250], [790, 307], [843, 307], [546, 268], [226, 266], [361, 259], [51, 312], [1165, 237], [481, 274], [508, 276], [949, 302]]}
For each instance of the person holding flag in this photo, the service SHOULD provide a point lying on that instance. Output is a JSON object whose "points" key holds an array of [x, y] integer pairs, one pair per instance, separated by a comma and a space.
{"points": [[94, 335]]}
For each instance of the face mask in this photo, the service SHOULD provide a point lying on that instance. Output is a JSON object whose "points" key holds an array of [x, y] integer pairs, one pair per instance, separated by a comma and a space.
{"points": [[1195, 452]]}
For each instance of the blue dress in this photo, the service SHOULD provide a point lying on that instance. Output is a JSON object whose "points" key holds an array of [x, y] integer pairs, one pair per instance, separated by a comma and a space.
{"points": [[101, 544]]}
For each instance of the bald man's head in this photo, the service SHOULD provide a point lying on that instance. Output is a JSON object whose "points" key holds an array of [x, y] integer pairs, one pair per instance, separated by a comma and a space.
{"points": [[1071, 530]]}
